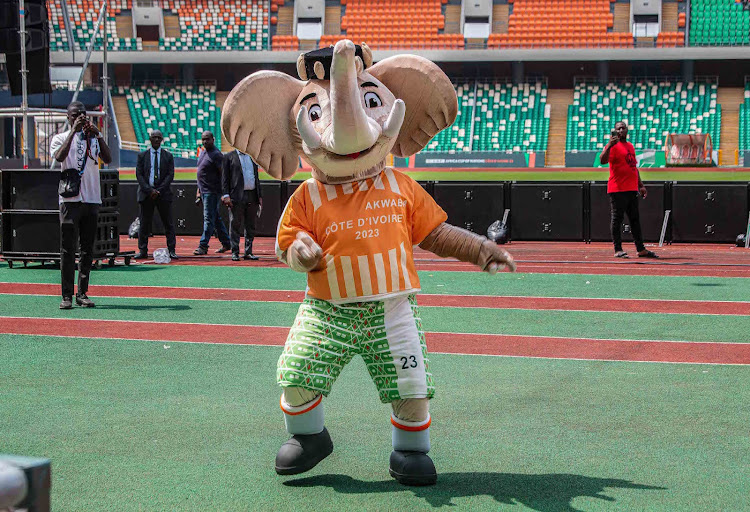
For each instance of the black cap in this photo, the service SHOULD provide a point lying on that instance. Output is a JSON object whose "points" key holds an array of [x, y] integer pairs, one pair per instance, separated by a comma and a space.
{"points": [[325, 56]]}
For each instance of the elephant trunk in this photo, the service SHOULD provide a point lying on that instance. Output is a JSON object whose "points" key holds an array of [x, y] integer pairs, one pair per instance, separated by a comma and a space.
{"points": [[352, 130]]}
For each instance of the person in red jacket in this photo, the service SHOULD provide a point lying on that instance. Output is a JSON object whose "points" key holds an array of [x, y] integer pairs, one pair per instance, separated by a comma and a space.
{"points": [[623, 189]]}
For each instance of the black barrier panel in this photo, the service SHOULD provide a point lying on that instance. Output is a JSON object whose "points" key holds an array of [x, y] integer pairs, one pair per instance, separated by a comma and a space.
{"points": [[271, 213], [472, 206], [706, 212], [128, 205], [27, 189], [546, 211], [31, 232], [651, 212]]}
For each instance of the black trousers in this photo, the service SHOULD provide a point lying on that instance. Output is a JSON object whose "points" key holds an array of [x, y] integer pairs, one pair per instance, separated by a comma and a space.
{"points": [[243, 214], [77, 222], [622, 203], [147, 216]]}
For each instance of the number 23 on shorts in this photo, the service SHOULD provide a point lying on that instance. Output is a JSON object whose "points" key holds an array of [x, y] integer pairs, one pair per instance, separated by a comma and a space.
{"points": [[408, 362]]}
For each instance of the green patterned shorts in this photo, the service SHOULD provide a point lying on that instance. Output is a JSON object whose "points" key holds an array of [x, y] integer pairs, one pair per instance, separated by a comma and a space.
{"points": [[387, 334]]}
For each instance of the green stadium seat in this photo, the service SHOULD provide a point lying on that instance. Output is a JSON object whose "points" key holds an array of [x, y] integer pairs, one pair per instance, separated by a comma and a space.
{"points": [[652, 110], [745, 120], [718, 22], [181, 112], [497, 116]]}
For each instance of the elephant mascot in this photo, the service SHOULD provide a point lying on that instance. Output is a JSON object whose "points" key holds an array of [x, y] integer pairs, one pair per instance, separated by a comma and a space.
{"points": [[352, 228]]}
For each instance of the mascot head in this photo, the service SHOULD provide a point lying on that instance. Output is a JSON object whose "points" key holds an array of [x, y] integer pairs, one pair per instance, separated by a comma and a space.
{"points": [[343, 117]]}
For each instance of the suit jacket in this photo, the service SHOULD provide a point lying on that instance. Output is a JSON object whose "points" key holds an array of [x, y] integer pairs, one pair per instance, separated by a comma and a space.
{"points": [[166, 175], [232, 179]]}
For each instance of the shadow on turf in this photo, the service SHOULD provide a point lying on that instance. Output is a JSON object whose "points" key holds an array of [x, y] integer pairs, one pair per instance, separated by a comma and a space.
{"points": [[544, 493], [144, 307]]}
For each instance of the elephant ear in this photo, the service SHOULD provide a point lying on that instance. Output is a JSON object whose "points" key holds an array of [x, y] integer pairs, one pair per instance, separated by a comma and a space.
{"points": [[257, 120], [431, 102]]}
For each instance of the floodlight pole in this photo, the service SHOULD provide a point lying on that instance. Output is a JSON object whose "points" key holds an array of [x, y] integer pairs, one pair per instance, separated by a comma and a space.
{"points": [[24, 87]]}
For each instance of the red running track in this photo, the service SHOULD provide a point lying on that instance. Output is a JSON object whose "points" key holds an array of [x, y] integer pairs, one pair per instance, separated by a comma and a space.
{"points": [[466, 301], [702, 260], [452, 343]]}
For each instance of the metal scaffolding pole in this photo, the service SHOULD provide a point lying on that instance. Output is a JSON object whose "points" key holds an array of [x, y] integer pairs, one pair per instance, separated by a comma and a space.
{"points": [[105, 76], [24, 89]]}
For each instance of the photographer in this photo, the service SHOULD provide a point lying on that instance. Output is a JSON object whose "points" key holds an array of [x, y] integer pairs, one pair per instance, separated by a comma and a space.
{"points": [[623, 188], [79, 148]]}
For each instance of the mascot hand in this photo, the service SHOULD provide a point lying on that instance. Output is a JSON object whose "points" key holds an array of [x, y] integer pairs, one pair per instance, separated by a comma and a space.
{"points": [[304, 254], [492, 258]]}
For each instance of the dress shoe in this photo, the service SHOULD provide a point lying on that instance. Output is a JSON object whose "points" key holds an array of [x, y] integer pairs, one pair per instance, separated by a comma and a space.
{"points": [[224, 248], [141, 256], [83, 300], [67, 303], [200, 251], [235, 257], [173, 255], [251, 256]]}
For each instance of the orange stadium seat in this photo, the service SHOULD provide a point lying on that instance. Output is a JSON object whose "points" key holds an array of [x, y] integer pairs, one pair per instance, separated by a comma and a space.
{"points": [[560, 23]]}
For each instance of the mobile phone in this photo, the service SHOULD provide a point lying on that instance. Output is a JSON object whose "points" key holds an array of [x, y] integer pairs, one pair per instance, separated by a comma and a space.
{"points": [[614, 133]]}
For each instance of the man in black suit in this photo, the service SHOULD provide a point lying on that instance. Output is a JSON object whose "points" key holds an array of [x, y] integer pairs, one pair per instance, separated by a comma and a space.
{"points": [[242, 195], [155, 172]]}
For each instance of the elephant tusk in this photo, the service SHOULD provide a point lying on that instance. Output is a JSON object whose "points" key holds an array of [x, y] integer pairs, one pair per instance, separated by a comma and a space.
{"points": [[395, 119], [310, 137]]}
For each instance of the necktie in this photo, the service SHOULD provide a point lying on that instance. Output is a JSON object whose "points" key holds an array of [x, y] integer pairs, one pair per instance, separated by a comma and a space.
{"points": [[155, 166]]}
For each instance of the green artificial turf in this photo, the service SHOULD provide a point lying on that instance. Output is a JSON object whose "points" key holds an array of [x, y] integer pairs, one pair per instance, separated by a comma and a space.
{"points": [[151, 426], [574, 324], [451, 283]]}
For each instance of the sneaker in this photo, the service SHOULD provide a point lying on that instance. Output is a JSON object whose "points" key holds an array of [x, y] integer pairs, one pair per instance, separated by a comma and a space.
{"points": [[224, 248], [235, 257], [141, 256], [251, 256], [67, 303], [83, 300], [201, 251]]}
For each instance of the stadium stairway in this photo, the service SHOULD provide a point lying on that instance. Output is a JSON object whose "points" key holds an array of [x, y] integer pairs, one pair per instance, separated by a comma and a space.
{"points": [[559, 100], [171, 25], [333, 20], [124, 122], [452, 19], [221, 97], [730, 99], [669, 16], [500, 15], [621, 22], [124, 24]]}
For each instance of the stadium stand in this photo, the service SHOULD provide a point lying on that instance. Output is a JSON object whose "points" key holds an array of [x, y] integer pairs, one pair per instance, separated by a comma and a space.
{"points": [[718, 22], [652, 110], [497, 116], [181, 112], [387, 24], [560, 24], [58, 38], [83, 15], [745, 120], [219, 25]]}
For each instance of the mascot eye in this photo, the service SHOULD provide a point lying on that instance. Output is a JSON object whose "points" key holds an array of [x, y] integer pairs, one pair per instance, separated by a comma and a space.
{"points": [[315, 112], [372, 100]]}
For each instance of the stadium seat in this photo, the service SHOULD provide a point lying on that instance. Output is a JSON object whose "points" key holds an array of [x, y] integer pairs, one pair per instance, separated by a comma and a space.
{"points": [[83, 15], [58, 38], [181, 112], [718, 22], [218, 25], [652, 110], [385, 24], [560, 24], [745, 120], [497, 116]]}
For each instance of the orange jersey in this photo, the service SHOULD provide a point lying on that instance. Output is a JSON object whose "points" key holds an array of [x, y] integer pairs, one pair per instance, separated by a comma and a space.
{"points": [[367, 230]]}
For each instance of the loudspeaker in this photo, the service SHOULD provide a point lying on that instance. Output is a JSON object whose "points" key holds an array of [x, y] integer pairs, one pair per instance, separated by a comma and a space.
{"points": [[546, 211], [37, 46], [29, 190], [651, 212], [472, 206], [708, 212]]}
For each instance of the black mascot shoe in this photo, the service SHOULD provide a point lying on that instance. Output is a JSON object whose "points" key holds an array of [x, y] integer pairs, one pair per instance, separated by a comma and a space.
{"points": [[303, 452], [412, 468]]}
